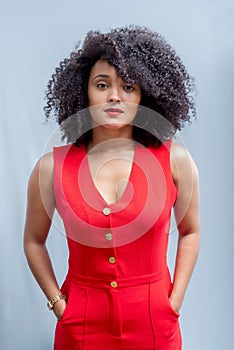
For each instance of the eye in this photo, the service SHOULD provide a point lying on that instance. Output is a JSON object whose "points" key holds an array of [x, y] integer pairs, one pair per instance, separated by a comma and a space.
{"points": [[102, 86], [128, 88]]}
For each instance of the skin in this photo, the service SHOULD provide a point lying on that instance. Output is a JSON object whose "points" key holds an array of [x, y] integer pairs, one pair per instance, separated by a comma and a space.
{"points": [[107, 90], [110, 155], [111, 151]]}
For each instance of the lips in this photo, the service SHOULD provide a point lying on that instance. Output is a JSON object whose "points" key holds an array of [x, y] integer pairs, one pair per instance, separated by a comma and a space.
{"points": [[113, 111]]}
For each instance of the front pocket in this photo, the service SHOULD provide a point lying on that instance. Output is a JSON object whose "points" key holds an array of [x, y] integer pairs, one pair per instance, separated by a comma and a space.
{"points": [[164, 317], [72, 324], [177, 314], [66, 289]]}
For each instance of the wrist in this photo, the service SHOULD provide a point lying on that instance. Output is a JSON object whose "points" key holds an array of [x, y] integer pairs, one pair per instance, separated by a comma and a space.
{"points": [[51, 302]]}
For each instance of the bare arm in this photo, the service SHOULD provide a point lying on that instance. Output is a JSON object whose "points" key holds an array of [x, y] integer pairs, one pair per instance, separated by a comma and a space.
{"points": [[187, 216], [40, 208]]}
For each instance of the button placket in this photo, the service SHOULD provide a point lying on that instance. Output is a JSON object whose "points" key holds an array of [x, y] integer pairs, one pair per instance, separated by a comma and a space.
{"points": [[109, 237], [112, 260], [106, 211], [113, 267], [113, 284]]}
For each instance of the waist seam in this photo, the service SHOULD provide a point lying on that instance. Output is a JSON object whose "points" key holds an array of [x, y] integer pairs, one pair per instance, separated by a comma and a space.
{"points": [[91, 281]]}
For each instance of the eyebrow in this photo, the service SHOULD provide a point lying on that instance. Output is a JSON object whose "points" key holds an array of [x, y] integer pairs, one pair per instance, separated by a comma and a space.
{"points": [[101, 76]]}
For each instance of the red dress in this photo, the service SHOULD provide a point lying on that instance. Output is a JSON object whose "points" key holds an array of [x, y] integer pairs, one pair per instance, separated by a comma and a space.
{"points": [[118, 282]]}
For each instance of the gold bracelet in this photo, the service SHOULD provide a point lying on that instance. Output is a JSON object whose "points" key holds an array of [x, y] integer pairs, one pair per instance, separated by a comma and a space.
{"points": [[53, 300]]}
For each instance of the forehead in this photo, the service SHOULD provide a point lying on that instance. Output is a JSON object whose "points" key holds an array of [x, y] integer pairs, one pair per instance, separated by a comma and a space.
{"points": [[102, 67]]}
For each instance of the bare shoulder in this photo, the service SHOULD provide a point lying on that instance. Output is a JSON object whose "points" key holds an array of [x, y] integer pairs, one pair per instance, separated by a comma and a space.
{"points": [[182, 163], [43, 171], [179, 153], [45, 164]]}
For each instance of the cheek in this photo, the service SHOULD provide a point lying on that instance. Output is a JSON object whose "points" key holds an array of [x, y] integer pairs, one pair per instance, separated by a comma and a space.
{"points": [[95, 112], [96, 98], [132, 110], [91, 101], [134, 103], [92, 96], [137, 98]]}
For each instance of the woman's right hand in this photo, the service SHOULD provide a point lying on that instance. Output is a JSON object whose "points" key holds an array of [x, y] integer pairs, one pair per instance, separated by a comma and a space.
{"points": [[59, 308]]}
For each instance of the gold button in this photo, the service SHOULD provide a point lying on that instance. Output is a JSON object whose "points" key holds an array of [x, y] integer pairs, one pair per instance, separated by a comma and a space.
{"points": [[108, 236], [106, 211], [114, 284], [112, 259]]}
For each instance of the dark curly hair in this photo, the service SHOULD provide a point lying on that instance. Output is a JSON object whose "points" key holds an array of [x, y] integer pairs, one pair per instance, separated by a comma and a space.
{"points": [[140, 56]]}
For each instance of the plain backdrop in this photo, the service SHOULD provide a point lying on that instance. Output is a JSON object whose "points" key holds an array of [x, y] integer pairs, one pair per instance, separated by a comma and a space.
{"points": [[34, 37]]}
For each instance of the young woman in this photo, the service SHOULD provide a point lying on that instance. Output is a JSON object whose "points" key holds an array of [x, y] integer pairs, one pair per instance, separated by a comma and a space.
{"points": [[119, 100]]}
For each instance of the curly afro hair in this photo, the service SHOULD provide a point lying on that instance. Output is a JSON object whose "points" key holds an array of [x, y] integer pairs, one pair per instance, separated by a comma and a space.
{"points": [[140, 56]]}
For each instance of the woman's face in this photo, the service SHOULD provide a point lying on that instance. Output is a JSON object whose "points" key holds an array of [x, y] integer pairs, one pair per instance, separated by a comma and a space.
{"points": [[112, 102]]}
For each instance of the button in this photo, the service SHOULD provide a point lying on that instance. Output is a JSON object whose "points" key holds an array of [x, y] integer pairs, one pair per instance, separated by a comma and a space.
{"points": [[112, 259], [114, 284], [106, 211], [108, 236]]}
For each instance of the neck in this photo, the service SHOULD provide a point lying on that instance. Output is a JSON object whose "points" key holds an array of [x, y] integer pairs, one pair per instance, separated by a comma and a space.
{"points": [[118, 137]]}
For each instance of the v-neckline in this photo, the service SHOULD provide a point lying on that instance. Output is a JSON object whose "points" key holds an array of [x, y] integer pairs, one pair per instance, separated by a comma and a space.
{"points": [[96, 190]]}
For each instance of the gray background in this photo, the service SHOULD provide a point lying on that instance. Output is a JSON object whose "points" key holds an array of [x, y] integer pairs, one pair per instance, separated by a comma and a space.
{"points": [[34, 37]]}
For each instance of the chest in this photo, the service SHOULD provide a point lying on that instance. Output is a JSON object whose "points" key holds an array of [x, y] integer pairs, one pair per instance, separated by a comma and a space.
{"points": [[145, 200], [110, 173]]}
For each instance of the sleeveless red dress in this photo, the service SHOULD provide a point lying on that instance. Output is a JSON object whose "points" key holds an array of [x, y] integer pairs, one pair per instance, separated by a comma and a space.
{"points": [[118, 283]]}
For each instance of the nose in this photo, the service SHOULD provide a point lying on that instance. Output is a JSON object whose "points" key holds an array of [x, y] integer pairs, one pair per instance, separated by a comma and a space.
{"points": [[114, 95]]}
